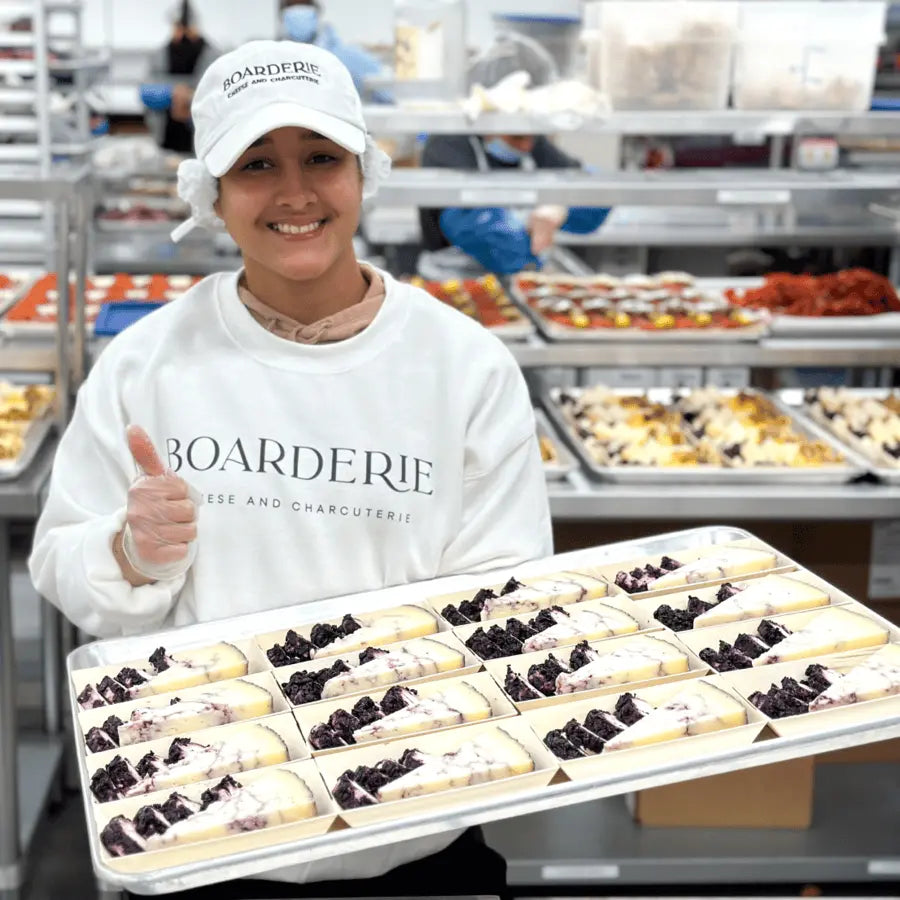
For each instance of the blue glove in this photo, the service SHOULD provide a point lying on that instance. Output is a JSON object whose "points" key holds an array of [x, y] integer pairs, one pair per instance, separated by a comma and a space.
{"points": [[492, 236], [157, 97]]}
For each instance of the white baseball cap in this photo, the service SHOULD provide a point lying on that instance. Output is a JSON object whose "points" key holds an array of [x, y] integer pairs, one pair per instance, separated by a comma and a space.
{"points": [[265, 85]]}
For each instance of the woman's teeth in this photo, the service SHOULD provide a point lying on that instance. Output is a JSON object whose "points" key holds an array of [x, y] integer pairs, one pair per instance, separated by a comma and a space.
{"points": [[296, 229]]}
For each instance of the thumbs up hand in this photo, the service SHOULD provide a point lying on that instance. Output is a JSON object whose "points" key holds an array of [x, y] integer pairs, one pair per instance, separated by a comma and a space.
{"points": [[158, 541]]}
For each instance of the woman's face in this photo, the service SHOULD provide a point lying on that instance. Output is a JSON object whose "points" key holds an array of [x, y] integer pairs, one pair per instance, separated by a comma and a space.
{"points": [[292, 203]]}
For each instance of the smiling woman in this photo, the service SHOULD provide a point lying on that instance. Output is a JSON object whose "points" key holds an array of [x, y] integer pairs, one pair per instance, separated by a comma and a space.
{"points": [[308, 379]]}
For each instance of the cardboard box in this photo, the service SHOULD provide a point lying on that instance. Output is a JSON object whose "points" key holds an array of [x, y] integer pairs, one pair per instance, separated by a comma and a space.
{"points": [[776, 796]]}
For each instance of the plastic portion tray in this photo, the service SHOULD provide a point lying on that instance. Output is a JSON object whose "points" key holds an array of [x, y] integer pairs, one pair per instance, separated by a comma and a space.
{"points": [[706, 474], [466, 806]]}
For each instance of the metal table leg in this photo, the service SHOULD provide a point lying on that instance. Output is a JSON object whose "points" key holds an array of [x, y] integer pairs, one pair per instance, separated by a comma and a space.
{"points": [[51, 668], [10, 850]]}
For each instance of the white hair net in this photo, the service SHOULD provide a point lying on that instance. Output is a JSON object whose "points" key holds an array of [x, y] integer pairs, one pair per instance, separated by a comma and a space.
{"points": [[200, 190]]}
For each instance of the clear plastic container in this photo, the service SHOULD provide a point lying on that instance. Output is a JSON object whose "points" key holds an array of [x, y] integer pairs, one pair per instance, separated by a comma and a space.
{"points": [[558, 35], [662, 54], [430, 48], [806, 54]]}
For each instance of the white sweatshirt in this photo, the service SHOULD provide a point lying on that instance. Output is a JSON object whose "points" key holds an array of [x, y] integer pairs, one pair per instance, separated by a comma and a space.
{"points": [[405, 453]]}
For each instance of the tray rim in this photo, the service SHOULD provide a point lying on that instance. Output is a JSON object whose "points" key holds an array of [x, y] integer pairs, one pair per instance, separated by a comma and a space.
{"points": [[566, 463]]}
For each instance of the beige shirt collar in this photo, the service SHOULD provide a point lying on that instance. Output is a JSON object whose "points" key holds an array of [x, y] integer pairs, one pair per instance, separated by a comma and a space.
{"points": [[338, 327]]}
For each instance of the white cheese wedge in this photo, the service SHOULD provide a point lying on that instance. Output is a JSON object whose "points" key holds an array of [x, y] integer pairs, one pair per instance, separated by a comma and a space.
{"points": [[878, 677], [568, 587], [834, 631], [277, 798], [188, 668], [769, 596], [695, 710], [387, 626], [727, 562], [246, 747], [588, 624], [457, 704], [230, 701], [643, 658], [492, 756], [417, 659]]}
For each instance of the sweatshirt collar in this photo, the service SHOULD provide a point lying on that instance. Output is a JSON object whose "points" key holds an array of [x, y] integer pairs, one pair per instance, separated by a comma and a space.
{"points": [[271, 350]]}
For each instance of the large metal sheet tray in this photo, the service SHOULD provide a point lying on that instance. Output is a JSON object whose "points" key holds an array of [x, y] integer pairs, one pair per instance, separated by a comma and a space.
{"points": [[706, 474], [792, 398], [565, 463], [649, 770], [558, 333]]}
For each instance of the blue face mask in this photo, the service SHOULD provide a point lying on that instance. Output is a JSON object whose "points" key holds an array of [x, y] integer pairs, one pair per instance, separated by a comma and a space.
{"points": [[503, 152], [300, 23]]}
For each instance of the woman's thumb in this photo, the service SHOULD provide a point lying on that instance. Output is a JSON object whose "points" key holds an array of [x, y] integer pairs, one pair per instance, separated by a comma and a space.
{"points": [[143, 451]]}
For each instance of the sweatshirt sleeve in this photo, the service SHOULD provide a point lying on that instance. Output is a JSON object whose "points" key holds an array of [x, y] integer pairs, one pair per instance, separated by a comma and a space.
{"points": [[505, 516], [72, 562]]}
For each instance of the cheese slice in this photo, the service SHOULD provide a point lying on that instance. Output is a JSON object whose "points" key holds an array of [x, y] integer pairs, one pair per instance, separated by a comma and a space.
{"points": [[770, 596], [229, 701], [698, 709], [417, 659], [878, 677], [188, 668], [643, 658], [836, 630], [567, 587], [492, 756], [275, 798], [245, 747], [455, 705], [589, 624], [726, 562], [387, 626]]}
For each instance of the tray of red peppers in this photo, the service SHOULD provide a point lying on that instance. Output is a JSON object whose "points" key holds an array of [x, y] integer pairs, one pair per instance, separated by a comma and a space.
{"points": [[854, 300]]}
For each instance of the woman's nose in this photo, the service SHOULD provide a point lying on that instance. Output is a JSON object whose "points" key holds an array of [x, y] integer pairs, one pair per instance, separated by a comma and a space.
{"points": [[294, 187]]}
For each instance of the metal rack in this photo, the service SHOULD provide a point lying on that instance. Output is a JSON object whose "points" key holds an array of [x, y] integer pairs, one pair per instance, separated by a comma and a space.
{"points": [[22, 500]]}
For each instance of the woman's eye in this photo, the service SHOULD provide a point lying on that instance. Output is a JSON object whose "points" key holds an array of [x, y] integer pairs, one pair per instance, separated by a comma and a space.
{"points": [[256, 165], [320, 159]]}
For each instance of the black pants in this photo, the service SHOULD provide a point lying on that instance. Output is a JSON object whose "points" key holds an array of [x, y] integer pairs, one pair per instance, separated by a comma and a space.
{"points": [[467, 867]]}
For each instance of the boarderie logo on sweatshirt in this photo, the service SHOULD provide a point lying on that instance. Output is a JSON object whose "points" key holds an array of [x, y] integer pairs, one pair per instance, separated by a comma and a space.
{"points": [[396, 472], [271, 73]]}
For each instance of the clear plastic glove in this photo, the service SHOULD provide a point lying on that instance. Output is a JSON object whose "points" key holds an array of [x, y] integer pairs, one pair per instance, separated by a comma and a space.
{"points": [[543, 224], [160, 537]]}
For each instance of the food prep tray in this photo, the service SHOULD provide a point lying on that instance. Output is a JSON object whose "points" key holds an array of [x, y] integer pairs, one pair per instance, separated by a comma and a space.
{"points": [[553, 331], [747, 681], [313, 714], [210, 850], [692, 748], [646, 623], [792, 399], [521, 664], [702, 638], [475, 809], [565, 463], [705, 474], [680, 599]]}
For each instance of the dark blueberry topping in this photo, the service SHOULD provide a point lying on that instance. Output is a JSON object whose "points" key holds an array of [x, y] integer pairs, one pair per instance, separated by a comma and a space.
{"points": [[130, 677], [89, 695], [148, 764], [150, 820], [453, 615], [772, 633], [366, 711], [561, 746], [116, 841], [581, 655], [349, 625], [177, 750], [518, 688], [395, 699], [323, 635], [512, 585], [176, 808], [102, 786], [112, 691], [627, 710], [158, 660]]}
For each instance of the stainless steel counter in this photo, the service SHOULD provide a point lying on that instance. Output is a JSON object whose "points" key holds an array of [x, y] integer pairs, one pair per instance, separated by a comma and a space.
{"points": [[579, 499]]}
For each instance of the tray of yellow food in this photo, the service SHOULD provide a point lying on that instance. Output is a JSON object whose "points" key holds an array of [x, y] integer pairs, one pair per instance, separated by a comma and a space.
{"points": [[705, 435], [25, 422]]}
